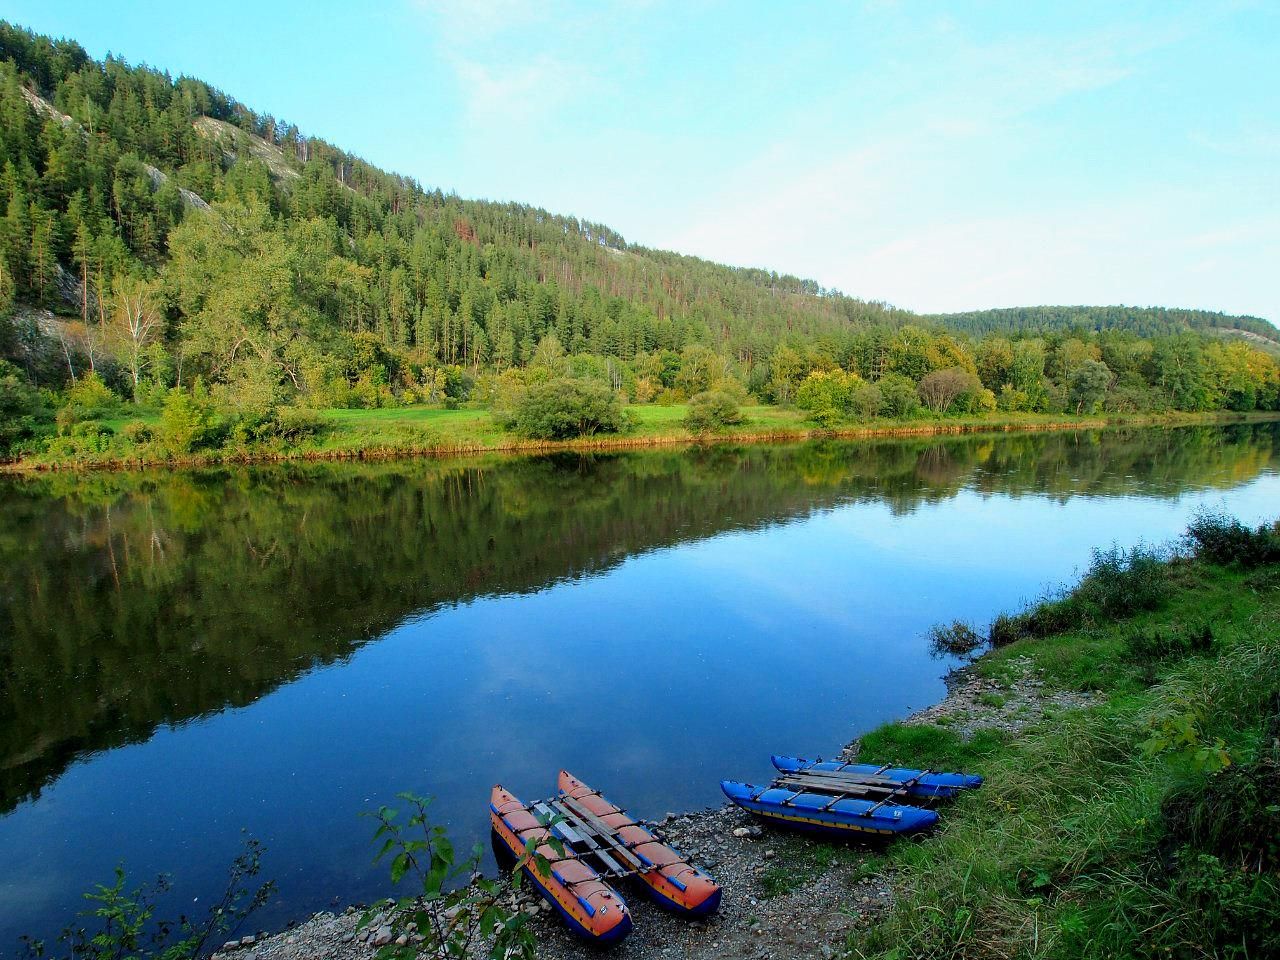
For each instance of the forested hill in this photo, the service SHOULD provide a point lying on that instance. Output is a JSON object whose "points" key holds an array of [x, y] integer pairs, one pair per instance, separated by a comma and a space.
{"points": [[163, 244], [103, 161], [1143, 321]]}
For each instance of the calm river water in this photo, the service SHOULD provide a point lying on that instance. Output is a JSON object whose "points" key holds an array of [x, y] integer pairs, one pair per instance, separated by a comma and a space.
{"points": [[189, 655]]}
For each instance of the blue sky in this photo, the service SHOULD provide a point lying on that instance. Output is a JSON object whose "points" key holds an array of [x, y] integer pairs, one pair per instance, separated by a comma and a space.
{"points": [[937, 156]]}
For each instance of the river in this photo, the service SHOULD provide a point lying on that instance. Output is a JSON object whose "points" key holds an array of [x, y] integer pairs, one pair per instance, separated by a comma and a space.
{"points": [[191, 654]]}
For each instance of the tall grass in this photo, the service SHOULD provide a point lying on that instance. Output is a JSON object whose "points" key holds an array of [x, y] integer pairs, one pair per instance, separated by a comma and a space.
{"points": [[1146, 826], [1118, 583], [1218, 538]]}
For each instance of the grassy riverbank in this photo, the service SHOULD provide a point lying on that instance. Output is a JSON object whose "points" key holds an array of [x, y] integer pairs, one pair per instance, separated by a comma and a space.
{"points": [[1145, 825], [434, 431]]}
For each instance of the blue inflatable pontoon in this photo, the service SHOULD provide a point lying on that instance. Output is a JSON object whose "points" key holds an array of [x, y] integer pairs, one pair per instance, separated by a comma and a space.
{"points": [[822, 813], [921, 784]]}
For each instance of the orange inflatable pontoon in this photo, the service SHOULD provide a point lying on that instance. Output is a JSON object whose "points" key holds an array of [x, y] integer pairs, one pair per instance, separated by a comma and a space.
{"points": [[669, 879], [590, 907]]}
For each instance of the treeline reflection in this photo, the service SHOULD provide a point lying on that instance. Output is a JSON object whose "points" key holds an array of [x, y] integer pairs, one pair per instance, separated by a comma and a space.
{"points": [[133, 600]]}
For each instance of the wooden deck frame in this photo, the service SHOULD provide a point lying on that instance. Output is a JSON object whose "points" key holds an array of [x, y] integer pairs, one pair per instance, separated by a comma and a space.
{"points": [[590, 838]]}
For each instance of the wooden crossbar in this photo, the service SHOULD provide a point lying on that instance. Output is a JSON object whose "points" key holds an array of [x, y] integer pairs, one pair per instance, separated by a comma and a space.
{"points": [[597, 836], [835, 785], [604, 832], [903, 788], [566, 832], [844, 786]]}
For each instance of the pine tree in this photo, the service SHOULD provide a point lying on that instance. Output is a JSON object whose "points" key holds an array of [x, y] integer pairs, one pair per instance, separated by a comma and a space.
{"points": [[16, 238], [43, 257], [82, 254]]}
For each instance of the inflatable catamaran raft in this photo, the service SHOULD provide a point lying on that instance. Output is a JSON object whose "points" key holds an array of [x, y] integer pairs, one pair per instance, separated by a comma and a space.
{"points": [[601, 843], [837, 799]]}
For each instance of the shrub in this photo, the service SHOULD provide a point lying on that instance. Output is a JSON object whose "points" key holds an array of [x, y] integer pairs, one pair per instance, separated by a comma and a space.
{"points": [[712, 410], [281, 423], [564, 408], [150, 393], [824, 390], [1120, 583], [828, 418], [644, 390], [23, 411], [187, 420], [898, 397], [504, 392], [66, 418], [831, 395], [135, 431], [865, 399], [84, 439], [941, 388], [90, 398], [1224, 540], [1012, 399], [293, 424], [980, 400], [956, 639]]}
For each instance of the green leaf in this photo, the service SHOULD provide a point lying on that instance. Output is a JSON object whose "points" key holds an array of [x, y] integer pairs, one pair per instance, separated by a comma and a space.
{"points": [[387, 847], [399, 866]]}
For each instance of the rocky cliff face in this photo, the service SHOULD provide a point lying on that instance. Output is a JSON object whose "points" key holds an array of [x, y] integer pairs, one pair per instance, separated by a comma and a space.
{"points": [[158, 177]]}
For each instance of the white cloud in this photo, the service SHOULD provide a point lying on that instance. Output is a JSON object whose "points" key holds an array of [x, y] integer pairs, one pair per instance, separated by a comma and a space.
{"points": [[517, 93], [472, 21], [918, 215], [514, 60]]}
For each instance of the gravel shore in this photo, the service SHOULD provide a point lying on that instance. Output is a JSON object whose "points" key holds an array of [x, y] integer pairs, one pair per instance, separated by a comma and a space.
{"points": [[785, 896]]}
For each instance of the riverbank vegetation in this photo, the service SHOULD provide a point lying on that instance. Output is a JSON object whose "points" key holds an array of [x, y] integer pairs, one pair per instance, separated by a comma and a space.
{"points": [[184, 278], [123, 921], [1143, 826]]}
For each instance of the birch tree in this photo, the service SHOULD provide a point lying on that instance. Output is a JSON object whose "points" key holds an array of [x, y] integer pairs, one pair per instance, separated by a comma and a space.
{"points": [[135, 322]]}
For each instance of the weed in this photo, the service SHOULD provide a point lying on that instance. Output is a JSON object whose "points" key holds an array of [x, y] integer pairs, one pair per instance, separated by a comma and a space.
{"points": [[956, 640], [122, 922], [1154, 645], [777, 881], [1221, 539], [1234, 814], [455, 908], [1120, 583]]}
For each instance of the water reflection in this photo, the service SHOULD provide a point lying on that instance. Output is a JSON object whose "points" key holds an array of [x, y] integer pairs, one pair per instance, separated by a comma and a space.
{"points": [[527, 613]]}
